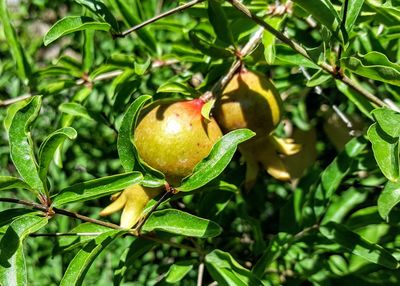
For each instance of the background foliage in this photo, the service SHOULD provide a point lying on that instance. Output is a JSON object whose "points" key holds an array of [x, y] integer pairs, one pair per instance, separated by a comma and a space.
{"points": [[68, 76]]}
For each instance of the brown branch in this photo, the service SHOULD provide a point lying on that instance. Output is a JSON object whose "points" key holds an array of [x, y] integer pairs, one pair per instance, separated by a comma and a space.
{"points": [[158, 17], [10, 101], [300, 50], [55, 211]]}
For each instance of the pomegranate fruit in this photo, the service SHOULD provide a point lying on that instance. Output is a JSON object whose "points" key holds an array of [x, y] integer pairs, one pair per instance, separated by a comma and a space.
{"points": [[172, 137], [251, 101]]}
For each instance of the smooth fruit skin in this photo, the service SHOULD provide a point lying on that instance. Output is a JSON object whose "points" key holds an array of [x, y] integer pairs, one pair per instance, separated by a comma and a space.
{"points": [[250, 100], [173, 137]]}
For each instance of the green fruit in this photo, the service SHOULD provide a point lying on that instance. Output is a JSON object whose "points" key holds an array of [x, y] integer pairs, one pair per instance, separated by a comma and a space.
{"points": [[173, 137], [250, 100]]}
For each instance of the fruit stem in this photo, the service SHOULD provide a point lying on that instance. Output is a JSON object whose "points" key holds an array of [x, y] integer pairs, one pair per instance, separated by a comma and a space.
{"points": [[220, 85]]}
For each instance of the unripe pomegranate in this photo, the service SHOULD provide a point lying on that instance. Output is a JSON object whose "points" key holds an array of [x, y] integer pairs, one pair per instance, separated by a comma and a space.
{"points": [[173, 137], [250, 100]]}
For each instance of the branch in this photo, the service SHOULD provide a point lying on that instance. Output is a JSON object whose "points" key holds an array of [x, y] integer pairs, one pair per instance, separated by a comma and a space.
{"points": [[158, 17], [300, 50], [10, 101], [54, 211]]}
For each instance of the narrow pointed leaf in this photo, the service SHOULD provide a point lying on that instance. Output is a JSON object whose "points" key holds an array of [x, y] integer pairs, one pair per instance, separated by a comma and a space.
{"points": [[101, 10], [225, 270], [80, 264], [388, 199], [7, 182], [72, 24], [219, 22], [181, 223], [178, 271], [12, 261], [375, 66], [357, 245], [49, 147], [21, 143], [386, 151], [126, 150], [75, 109], [219, 157], [97, 188], [388, 120], [23, 66]]}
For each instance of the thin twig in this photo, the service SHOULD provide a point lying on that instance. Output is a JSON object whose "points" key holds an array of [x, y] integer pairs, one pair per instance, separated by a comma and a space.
{"points": [[56, 211], [85, 218], [56, 234], [139, 226], [10, 101], [219, 86], [300, 50], [200, 274], [158, 17]]}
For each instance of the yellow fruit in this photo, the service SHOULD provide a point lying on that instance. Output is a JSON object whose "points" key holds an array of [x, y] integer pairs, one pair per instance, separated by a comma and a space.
{"points": [[133, 200], [250, 100], [173, 137]]}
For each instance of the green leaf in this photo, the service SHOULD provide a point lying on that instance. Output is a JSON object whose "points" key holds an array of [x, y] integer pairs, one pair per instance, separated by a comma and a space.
{"points": [[11, 110], [363, 104], [126, 149], [10, 215], [48, 148], [323, 11], [206, 109], [274, 250], [213, 165], [23, 66], [386, 151], [75, 109], [388, 199], [219, 22], [21, 143], [7, 182], [388, 120], [72, 24], [172, 87], [374, 66], [343, 204], [357, 245], [97, 188], [224, 269], [82, 261], [269, 39], [354, 9], [333, 175], [178, 271], [318, 78], [286, 56], [181, 223], [88, 51], [12, 260], [201, 42], [101, 10], [141, 68]]}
